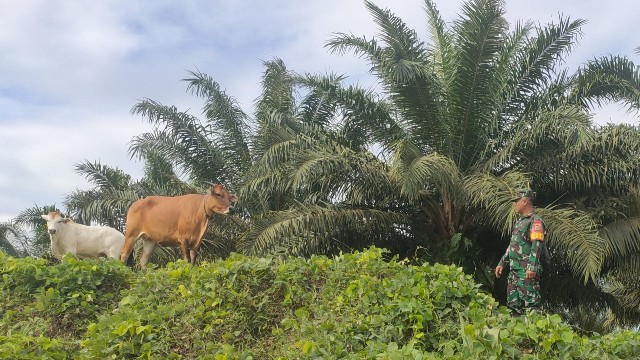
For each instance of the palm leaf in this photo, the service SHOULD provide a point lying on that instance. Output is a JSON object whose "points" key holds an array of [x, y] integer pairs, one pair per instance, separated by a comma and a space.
{"points": [[441, 39], [189, 141], [575, 235], [309, 228], [103, 176], [419, 174], [228, 123], [7, 232], [365, 119], [607, 79], [493, 196], [479, 33]]}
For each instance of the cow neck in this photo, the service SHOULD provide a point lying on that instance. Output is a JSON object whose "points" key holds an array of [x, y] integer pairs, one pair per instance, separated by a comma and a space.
{"points": [[204, 205]]}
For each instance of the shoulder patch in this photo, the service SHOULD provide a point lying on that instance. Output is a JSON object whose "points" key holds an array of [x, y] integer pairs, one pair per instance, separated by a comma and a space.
{"points": [[537, 230]]}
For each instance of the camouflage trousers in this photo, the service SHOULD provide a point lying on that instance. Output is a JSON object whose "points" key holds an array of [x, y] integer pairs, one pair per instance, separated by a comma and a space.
{"points": [[522, 293]]}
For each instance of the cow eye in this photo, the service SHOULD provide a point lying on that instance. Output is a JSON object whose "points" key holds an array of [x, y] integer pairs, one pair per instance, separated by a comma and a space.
{"points": [[217, 194]]}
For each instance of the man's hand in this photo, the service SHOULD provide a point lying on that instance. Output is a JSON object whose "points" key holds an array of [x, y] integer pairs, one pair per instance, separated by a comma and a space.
{"points": [[530, 274], [498, 271]]}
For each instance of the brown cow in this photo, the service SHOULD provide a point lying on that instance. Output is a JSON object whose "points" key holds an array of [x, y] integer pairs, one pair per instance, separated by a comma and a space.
{"points": [[173, 221]]}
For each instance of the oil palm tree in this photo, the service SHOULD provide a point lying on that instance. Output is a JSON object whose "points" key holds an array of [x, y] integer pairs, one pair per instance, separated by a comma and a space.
{"points": [[460, 123]]}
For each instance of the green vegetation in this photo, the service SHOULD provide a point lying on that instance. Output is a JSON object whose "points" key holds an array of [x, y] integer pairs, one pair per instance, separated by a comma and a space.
{"points": [[352, 306]]}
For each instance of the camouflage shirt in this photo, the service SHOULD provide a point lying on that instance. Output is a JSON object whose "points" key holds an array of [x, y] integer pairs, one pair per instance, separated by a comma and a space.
{"points": [[524, 250]]}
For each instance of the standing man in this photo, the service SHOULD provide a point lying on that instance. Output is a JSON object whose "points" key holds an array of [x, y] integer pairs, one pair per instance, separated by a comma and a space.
{"points": [[523, 256]]}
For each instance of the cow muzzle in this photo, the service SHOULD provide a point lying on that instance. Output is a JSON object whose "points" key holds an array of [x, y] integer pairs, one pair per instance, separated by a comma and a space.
{"points": [[231, 210], [52, 231]]}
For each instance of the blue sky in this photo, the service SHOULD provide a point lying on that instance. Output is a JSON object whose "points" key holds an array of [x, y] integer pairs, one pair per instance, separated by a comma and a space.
{"points": [[70, 71]]}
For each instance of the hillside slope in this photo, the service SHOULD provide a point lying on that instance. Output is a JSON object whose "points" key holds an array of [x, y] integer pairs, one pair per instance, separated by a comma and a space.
{"points": [[355, 306]]}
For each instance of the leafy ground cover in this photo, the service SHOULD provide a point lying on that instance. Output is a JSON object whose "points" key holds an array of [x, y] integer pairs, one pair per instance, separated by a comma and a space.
{"points": [[354, 306]]}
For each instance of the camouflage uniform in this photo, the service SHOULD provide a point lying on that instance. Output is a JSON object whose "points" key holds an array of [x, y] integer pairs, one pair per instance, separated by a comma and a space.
{"points": [[524, 254]]}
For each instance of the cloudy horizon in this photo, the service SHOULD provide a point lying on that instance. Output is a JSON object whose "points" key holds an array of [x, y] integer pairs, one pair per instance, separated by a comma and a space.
{"points": [[70, 72]]}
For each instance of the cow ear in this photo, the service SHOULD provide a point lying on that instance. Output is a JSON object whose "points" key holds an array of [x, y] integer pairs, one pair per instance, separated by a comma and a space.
{"points": [[232, 198], [66, 221], [46, 217]]}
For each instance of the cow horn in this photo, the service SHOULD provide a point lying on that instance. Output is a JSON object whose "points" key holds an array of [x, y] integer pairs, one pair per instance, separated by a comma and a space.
{"points": [[210, 183]]}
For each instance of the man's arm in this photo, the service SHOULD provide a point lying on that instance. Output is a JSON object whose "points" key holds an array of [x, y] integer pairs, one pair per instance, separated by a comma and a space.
{"points": [[502, 263], [536, 235], [504, 259], [534, 257]]}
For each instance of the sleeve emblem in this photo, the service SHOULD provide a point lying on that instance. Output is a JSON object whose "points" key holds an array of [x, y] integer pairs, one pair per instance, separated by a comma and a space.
{"points": [[537, 230]]}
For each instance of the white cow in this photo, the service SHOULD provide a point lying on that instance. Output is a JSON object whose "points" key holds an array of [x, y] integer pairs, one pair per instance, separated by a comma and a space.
{"points": [[81, 240]]}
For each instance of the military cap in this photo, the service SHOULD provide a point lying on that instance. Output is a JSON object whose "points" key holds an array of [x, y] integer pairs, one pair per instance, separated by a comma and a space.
{"points": [[528, 193]]}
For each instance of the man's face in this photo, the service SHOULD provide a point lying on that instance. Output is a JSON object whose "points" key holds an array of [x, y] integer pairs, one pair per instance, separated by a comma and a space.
{"points": [[521, 204]]}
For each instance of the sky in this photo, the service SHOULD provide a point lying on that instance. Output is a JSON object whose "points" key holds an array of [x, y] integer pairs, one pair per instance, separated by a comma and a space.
{"points": [[70, 71]]}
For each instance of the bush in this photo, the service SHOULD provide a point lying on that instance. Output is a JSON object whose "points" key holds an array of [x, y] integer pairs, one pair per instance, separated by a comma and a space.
{"points": [[36, 348], [61, 300], [355, 306]]}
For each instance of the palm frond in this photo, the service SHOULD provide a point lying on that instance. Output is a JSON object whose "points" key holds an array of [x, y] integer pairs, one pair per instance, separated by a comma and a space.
{"points": [[157, 167], [607, 79], [337, 172], [319, 169], [103, 176], [479, 35], [542, 53], [220, 108], [276, 113], [7, 232], [155, 142], [188, 141], [493, 196], [366, 119], [575, 237], [340, 43], [555, 131], [441, 38], [420, 174], [408, 77], [30, 219], [106, 208], [281, 153], [623, 285], [401, 40], [277, 91], [508, 105], [592, 159], [622, 238], [310, 227], [227, 121], [318, 106]]}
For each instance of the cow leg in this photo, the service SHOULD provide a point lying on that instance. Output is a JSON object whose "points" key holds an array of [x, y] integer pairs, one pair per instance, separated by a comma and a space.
{"points": [[127, 248], [73, 248], [184, 246], [147, 249], [193, 252]]}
